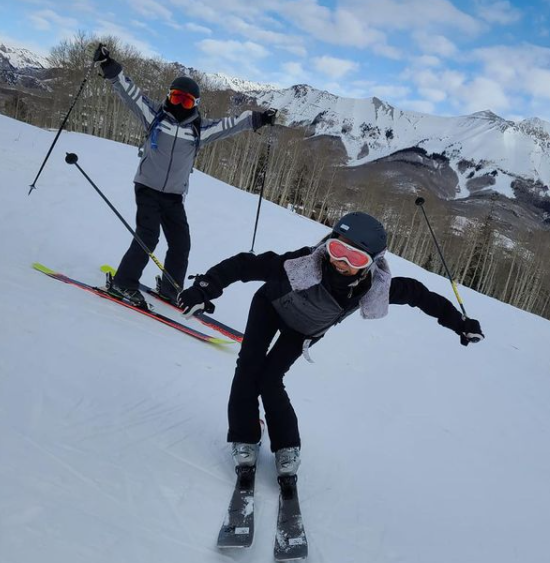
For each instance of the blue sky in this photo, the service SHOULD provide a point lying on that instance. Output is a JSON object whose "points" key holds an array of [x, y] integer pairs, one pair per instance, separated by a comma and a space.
{"points": [[435, 56]]}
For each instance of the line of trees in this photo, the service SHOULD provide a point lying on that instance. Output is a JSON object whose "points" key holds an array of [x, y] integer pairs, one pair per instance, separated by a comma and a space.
{"points": [[302, 174]]}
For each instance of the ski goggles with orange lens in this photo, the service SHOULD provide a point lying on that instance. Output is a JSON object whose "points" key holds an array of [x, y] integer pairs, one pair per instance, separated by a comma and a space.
{"points": [[184, 99], [356, 258]]}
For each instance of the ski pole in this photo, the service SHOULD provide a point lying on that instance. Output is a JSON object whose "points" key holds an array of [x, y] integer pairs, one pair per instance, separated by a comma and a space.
{"points": [[33, 186], [261, 196], [420, 202], [72, 158]]}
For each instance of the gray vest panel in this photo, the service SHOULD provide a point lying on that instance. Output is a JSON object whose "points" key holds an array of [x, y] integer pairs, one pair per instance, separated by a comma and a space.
{"points": [[311, 311]]}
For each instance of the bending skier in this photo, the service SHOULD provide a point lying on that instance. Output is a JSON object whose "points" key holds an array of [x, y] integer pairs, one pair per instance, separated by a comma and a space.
{"points": [[175, 132], [306, 292]]}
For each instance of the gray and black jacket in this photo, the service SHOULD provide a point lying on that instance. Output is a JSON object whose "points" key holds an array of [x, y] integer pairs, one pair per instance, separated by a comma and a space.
{"points": [[166, 162], [304, 291]]}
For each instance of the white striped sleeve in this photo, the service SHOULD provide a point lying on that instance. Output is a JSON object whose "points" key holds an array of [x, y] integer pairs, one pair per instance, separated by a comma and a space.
{"points": [[215, 129], [131, 95]]}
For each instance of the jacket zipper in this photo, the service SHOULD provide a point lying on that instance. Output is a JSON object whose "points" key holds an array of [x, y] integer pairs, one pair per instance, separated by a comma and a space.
{"points": [[171, 157]]}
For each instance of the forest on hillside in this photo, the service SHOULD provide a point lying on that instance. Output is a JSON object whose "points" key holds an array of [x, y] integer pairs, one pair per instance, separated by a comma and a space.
{"points": [[297, 171]]}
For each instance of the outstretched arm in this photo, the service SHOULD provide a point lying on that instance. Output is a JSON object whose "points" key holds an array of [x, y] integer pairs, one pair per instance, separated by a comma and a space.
{"points": [[408, 291], [216, 129], [242, 267], [141, 106]]}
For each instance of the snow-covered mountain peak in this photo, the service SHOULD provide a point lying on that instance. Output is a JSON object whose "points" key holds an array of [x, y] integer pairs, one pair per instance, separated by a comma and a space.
{"points": [[221, 81], [20, 58], [536, 126], [487, 114], [371, 129]]}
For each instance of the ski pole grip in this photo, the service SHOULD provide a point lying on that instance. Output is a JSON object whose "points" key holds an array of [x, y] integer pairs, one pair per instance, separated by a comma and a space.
{"points": [[71, 158], [420, 201]]}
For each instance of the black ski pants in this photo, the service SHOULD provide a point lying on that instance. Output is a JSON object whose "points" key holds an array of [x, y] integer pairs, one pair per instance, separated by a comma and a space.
{"points": [[260, 373], [155, 210]]}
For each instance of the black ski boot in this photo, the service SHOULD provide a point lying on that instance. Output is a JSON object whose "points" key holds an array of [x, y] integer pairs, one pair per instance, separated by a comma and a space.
{"points": [[165, 296], [133, 297]]}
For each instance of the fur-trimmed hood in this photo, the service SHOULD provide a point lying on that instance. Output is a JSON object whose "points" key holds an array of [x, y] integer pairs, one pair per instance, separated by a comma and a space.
{"points": [[307, 271]]}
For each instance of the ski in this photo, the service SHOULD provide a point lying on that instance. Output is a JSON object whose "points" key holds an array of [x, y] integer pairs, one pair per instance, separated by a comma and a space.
{"points": [[203, 318], [157, 316], [238, 526], [290, 539]]}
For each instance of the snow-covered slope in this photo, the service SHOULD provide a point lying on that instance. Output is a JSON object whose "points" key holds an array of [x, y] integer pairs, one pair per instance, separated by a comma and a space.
{"points": [[112, 426]]}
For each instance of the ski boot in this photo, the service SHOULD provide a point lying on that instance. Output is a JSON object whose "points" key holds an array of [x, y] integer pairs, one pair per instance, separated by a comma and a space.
{"points": [[131, 296], [287, 461], [171, 297], [246, 455]]}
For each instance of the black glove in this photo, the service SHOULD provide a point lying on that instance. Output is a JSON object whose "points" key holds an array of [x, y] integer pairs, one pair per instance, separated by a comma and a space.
{"points": [[101, 54], [261, 118], [193, 300], [470, 332], [109, 66]]}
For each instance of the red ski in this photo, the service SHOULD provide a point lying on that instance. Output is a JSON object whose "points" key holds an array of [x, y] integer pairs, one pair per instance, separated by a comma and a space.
{"points": [[153, 315]]}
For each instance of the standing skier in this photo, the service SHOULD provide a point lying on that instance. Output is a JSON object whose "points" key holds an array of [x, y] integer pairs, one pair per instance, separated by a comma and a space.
{"points": [[175, 132], [306, 292]]}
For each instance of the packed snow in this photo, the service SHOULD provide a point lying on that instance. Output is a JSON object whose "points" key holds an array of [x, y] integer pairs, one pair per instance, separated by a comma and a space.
{"points": [[112, 426]]}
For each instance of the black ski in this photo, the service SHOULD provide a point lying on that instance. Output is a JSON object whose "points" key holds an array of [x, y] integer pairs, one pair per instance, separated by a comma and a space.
{"points": [[238, 526], [290, 539]]}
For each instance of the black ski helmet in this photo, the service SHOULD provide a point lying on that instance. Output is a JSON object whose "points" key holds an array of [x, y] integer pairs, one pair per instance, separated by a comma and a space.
{"points": [[186, 84], [364, 231]]}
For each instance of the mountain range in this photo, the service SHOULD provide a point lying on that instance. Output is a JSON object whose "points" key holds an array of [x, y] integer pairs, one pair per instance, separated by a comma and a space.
{"points": [[476, 156]]}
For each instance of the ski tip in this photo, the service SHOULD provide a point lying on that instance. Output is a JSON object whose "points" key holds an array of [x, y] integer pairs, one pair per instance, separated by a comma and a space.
{"points": [[42, 268], [220, 341], [106, 269]]}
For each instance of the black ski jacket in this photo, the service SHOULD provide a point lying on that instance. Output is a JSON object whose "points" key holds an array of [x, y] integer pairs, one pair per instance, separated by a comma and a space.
{"points": [[269, 267]]}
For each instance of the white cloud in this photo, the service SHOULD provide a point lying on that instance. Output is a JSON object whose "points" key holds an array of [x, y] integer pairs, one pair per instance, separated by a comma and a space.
{"points": [[195, 28], [483, 93], [143, 26], [106, 27], [521, 69], [174, 25], [253, 32], [334, 67], [434, 44], [151, 9], [413, 15], [250, 20], [500, 12], [233, 50], [293, 69], [389, 92], [45, 20], [433, 94], [297, 50], [293, 73], [426, 61], [42, 3], [338, 27], [538, 83]]}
